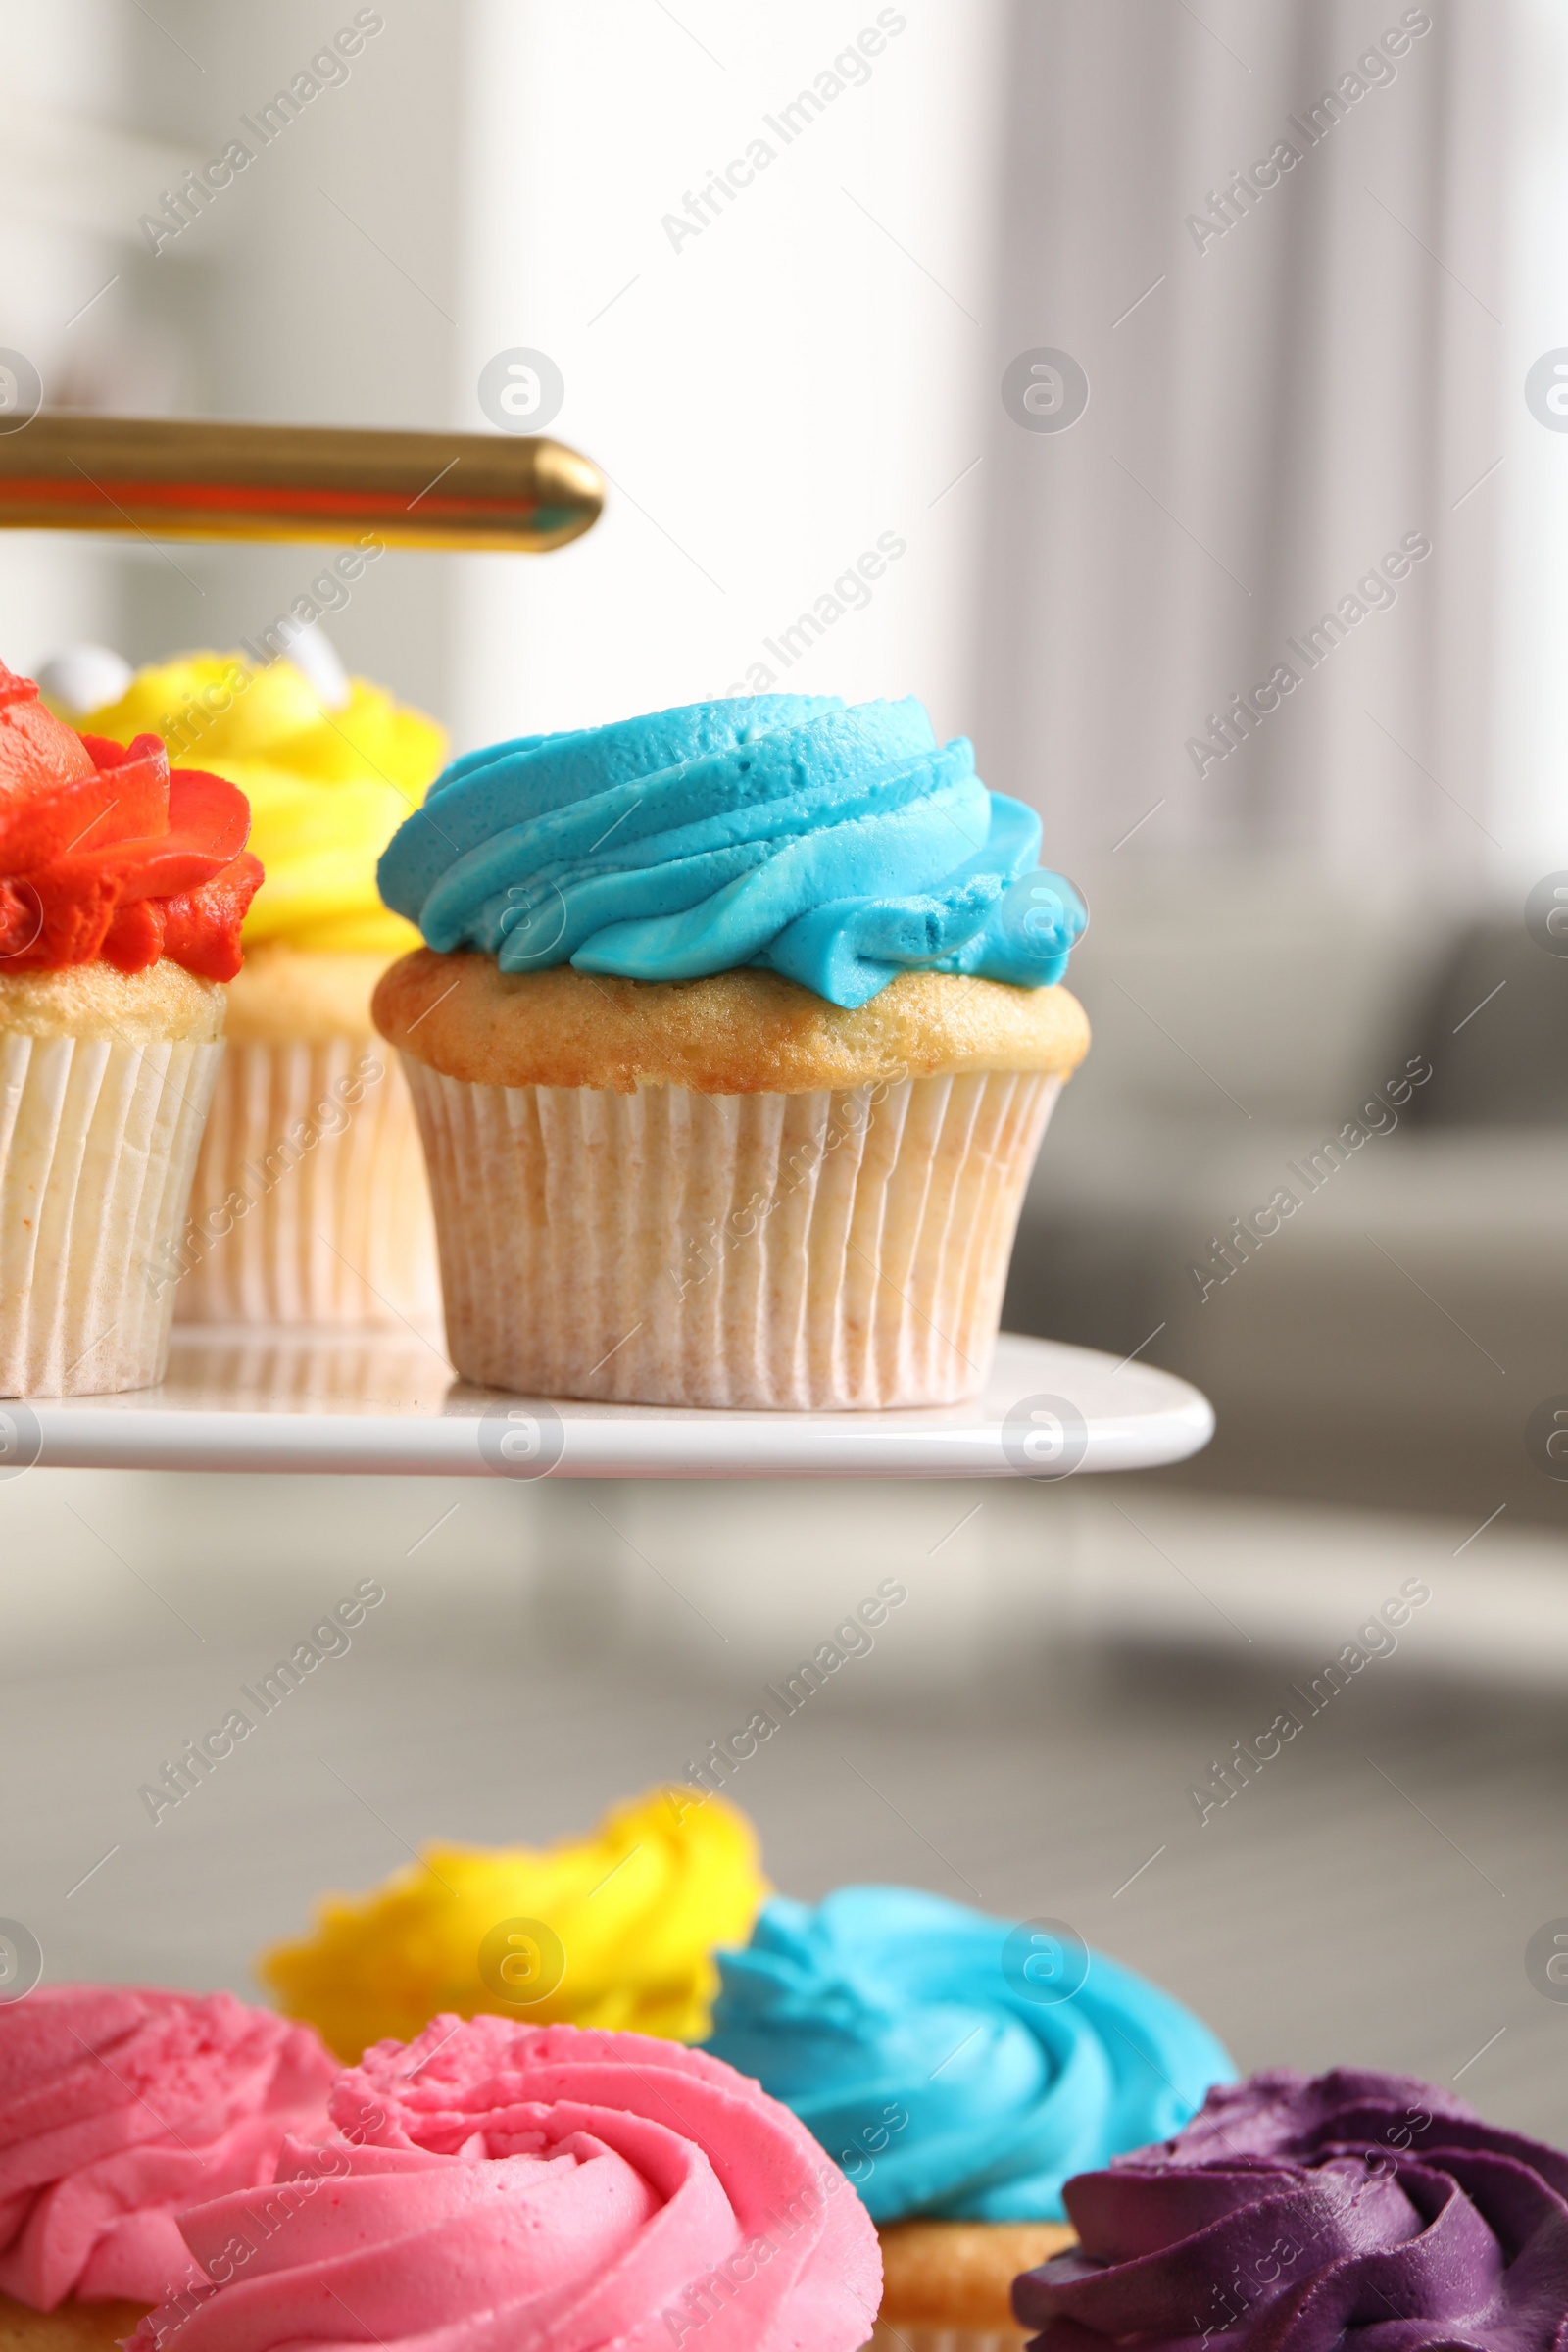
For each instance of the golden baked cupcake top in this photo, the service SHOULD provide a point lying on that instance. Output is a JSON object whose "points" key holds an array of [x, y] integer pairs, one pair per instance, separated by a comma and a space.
{"points": [[960, 2273], [733, 1033], [165, 1003], [285, 995]]}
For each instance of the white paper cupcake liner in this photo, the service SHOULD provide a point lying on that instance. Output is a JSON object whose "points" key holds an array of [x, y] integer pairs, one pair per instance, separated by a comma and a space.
{"points": [[98, 1142], [793, 1251], [309, 1203]]}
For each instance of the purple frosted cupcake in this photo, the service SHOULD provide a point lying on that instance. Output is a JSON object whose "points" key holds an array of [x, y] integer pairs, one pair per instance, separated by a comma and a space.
{"points": [[1315, 2215]]}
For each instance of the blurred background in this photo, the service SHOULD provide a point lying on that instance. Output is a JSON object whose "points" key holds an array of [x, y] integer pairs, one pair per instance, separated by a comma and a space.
{"points": [[1201, 364]]}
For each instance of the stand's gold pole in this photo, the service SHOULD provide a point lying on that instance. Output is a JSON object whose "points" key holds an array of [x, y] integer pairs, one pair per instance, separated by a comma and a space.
{"points": [[188, 478]]}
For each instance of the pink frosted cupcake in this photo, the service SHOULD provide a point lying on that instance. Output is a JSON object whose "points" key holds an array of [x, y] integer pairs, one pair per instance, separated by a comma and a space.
{"points": [[500, 2187], [119, 2107]]}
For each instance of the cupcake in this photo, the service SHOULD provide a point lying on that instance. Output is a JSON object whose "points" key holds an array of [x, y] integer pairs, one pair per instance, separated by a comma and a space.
{"points": [[123, 885], [732, 1040], [957, 2080], [120, 2107], [615, 1929], [309, 1202], [498, 2187], [1297, 2215]]}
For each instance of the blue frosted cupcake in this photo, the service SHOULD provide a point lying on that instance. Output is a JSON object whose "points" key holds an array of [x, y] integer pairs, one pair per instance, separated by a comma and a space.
{"points": [[732, 1040], [960, 2070]]}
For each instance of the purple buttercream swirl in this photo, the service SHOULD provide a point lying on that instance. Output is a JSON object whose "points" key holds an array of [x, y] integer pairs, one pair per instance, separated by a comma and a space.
{"points": [[1306, 2215]]}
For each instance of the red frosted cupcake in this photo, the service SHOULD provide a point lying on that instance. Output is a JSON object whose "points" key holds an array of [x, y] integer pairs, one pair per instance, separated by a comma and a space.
{"points": [[123, 887]]}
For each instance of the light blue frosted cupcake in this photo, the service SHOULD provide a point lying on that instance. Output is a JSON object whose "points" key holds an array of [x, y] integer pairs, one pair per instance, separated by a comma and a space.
{"points": [[732, 1040], [959, 2068], [959, 2038]]}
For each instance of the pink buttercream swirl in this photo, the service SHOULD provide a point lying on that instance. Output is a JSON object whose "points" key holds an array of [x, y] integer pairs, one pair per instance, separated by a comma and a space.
{"points": [[500, 2187], [119, 2107]]}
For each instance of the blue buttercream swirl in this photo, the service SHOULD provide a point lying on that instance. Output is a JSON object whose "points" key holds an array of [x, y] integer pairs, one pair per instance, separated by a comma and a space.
{"points": [[928, 2048], [837, 846]]}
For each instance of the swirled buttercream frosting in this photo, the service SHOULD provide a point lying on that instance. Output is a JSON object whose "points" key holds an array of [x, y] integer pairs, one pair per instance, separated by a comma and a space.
{"points": [[956, 2066], [622, 1924], [500, 2187], [837, 846], [328, 788], [1297, 2214], [119, 2107], [109, 855]]}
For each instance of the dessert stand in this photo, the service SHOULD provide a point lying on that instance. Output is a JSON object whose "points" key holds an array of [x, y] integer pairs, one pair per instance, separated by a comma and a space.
{"points": [[373, 1401], [346, 1401]]}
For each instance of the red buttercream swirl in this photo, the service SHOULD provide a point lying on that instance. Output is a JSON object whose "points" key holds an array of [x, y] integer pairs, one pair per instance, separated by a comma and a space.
{"points": [[107, 854], [119, 2107], [500, 2187]]}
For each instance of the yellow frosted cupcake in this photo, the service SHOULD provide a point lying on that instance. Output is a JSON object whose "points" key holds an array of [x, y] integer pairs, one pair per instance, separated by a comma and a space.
{"points": [[617, 1930], [309, 1202]]}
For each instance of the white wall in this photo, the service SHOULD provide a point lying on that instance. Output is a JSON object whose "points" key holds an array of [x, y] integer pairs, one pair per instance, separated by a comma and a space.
{"points": [[65, 228], [1531, 708], [791, 386], [317, 288], [768, 398], [800, 378]]}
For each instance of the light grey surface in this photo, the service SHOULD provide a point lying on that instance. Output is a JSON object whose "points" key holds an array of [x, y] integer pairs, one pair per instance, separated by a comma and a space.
{"points": [[1016, 1738]]}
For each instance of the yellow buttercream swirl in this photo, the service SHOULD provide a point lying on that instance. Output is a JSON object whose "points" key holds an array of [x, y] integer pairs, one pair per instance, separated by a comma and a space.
{"points": [[327, 789], [630, 1919]]}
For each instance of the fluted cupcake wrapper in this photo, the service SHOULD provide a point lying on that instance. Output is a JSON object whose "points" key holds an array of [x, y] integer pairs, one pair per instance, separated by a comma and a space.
{"points": [[98, 1143], [797, 1252], [309, 1203]]}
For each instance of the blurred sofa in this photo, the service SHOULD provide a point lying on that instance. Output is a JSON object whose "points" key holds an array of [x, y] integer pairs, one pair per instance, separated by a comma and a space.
{"points": [[1384, 1330]]}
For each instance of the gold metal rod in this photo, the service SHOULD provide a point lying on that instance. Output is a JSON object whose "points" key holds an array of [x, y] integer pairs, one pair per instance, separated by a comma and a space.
{"points": [[195, 478]]}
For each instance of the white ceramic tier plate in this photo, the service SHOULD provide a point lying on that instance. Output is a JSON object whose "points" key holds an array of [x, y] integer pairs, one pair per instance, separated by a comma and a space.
{"points": [[370, 1401]]}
